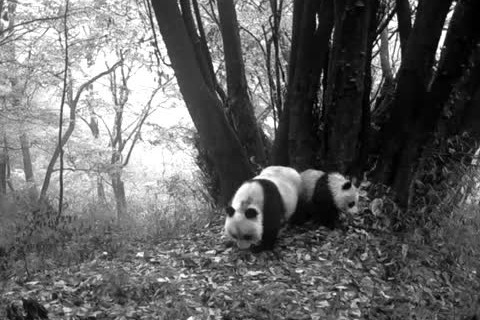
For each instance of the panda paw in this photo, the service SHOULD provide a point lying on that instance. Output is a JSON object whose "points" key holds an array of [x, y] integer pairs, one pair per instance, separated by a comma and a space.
{"points": [[261, 247]]}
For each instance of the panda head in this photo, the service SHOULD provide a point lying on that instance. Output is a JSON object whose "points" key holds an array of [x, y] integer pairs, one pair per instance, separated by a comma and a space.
{"points": [[244, 218], [345, 194]]}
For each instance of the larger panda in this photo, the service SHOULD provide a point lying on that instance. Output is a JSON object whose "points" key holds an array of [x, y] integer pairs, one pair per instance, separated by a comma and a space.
{"points": [[261, 206], [323, 196]]}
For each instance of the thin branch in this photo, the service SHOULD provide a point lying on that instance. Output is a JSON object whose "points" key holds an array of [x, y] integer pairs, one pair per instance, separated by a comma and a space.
{"points": [[138, 129], [89, 82]]}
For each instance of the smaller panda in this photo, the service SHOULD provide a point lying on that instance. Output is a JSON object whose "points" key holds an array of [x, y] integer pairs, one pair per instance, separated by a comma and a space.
{"points": [[261, 206], [324, 195]]}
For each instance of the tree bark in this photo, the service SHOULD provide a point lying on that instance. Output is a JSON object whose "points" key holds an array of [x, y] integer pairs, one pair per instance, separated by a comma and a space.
{"points": [[461, 40], [238, 103], [464, 106], [399, 156], [388, 87], [404, 17], [296, 143], [191, 29], [302, 92], [280, 154], [204, 107], [3, 167], [385, 58], [28, 167], [344, 106], [119, 193]]}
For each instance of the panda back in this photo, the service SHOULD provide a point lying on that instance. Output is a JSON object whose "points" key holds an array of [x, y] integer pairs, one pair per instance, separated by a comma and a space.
{"points": [[310, 177], [288, 182]]}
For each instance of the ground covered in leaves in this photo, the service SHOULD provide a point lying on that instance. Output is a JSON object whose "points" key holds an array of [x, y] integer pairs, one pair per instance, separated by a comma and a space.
{"points": [[312, 274]]}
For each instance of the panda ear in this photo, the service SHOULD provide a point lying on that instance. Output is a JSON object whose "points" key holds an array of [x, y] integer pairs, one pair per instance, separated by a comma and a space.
{"points": [[347, 185], [229, 211], [250, 213]]}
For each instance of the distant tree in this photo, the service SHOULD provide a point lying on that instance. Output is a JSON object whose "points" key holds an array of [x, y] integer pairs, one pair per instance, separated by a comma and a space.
{"points": [[123, 138], [72, 102]]}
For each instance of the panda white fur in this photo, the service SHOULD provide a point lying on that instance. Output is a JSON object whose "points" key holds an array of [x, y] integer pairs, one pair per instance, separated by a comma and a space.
{"points": [[324, 195], [260, 207]]}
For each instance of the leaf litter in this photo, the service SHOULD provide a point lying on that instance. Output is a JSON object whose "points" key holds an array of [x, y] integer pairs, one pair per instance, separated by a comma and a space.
{"points": [[313, 273]]}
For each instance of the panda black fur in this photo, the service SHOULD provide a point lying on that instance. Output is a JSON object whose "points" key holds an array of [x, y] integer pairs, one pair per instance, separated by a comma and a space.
{"points": [[323, 196], [261, 206]]}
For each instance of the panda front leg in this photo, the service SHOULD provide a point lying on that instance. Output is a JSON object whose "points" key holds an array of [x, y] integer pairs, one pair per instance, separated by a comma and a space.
{"points": [[268, 241]]}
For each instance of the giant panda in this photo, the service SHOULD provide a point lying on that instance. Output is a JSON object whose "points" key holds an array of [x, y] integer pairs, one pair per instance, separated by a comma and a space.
{"points": [[323, 196], [261, 206]]}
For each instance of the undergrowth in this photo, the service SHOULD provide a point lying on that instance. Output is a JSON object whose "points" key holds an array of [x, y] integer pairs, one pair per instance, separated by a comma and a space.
{"points": [[34, 237]]}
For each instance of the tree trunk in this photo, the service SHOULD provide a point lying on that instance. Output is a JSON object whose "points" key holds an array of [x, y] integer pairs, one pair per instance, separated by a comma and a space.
{"points": [[3, 167], [301, 98], [101, 191], [465, 105], [344, 106], [462, 38], [119, 194], [280, 154], [363, 148], [380, 110], [404, 17], [399, 156], [28, 167], [385, 58], [204, 107], [296, 143], [239, 104], [200, 54]]}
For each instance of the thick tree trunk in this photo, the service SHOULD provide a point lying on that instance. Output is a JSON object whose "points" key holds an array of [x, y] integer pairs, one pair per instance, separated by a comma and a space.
{"points": [[344, 106], [28, 167], [399, 156], [200, 56], [404, 17], [462, 38], [204, 107], [296, 143], [464, 106], [301, 98], [363, 147], [238, 103], [280, 154]]}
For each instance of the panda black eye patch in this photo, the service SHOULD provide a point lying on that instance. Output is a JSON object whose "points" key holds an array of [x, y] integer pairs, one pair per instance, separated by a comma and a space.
{"points": [[230, 211], [351, 204], [347, 185], [250, 213], [247, 237]]}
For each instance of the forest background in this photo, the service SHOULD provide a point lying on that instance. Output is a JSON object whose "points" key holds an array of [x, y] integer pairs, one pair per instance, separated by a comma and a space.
{"points": [[154, 112]]}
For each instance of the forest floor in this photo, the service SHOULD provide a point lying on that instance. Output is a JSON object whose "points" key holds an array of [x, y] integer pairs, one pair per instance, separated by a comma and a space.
{"points": [[312, 274]]}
